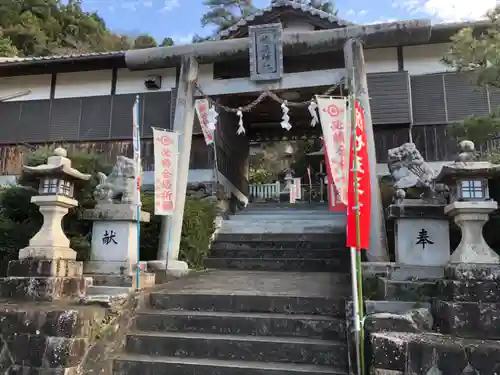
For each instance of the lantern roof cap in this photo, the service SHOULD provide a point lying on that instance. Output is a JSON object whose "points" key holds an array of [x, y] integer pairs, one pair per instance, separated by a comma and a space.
{"points": [[58, 163]]}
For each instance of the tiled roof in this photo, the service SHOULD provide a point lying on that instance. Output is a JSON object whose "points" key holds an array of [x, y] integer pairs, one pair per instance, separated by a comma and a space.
{"points": [[69, 57], [283, 4]]}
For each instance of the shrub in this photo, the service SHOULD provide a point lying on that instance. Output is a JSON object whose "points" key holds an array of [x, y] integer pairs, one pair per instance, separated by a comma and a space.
{"points": [[197, 229]]}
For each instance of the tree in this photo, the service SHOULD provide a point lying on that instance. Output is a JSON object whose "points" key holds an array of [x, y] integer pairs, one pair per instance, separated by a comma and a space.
{"points": [[7, 49], [478, 52], [144, 41], [199, 39], [47, 27], [167, 42], [479, 55], [324, 5], [225, 13]]}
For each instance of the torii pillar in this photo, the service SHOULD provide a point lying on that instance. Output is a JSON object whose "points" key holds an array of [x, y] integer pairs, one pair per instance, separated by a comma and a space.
{"points": [[171, 230], [357, 84]]}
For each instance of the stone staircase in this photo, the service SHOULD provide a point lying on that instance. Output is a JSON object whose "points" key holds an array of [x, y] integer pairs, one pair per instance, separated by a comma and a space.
{"points": [[273, 306]]}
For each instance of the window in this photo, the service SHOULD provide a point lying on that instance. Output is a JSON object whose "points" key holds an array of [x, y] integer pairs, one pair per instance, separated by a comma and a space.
{"points": [[49, 186], [54, 186], [472, 189], [65, 188]]}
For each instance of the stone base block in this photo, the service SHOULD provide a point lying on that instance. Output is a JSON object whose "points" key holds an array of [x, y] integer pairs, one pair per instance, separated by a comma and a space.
{"points": [[415, 320], [469, 319], [41, 338], [468, 290], [383, 371], [146, 280], [115, 212], [402, 272], [43, 288], [38, 252], [391, 307], [406, 290], [112, 268], [114, 285], [44, 268], [430, 353], [177, 268], [473, 272], [54, 321]]}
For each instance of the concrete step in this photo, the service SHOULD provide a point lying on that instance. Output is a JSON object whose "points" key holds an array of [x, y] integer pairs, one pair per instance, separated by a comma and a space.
{"points": [[260, 226], [298, 237], [108, 290], [283, 216], [241, 348], [299, 210], [240, 303], [335, 244], [252, 324], [147, 365], [337, 253], [287, 206], [279, 264]]}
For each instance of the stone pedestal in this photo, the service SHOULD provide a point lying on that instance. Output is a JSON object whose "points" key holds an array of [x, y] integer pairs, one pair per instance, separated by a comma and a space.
{"points": [[421, 234], [114, 239], [44, 280], [471, 216]]}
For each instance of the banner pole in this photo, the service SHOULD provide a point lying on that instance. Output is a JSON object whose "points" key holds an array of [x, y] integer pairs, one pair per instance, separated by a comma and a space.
{"points": [[355, 307], [359, 271], [137, 155], [357, 301]]}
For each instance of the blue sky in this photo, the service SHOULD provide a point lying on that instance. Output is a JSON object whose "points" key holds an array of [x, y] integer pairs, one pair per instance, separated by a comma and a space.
{"points": [[180, 19]]}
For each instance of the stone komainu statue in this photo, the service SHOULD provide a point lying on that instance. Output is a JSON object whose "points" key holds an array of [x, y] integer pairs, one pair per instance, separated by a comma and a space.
{"points": [[409, 169], [119, 186]]}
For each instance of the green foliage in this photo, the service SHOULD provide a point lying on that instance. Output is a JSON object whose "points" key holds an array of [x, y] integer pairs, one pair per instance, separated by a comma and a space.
{"points": [[6, 47], [258, 175], [478, 129], [19, 221], [324, 5], [144, 41], [197, 229], [225, 13], [47, 27], [222, 14], [478, 52], [167, 42]]}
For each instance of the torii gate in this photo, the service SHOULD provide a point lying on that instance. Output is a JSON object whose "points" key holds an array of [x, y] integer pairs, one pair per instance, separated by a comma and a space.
{"points": [[351, 39]]}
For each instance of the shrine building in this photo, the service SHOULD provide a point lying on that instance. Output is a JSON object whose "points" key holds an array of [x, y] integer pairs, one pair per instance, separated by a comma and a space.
{"points": [[84, 101]]}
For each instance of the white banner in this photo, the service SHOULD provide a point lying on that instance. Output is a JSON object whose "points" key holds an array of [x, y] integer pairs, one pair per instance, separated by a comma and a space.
{"points": [[298, 188], [166, 151], [202, 106], [136, 141], [335, 121]]}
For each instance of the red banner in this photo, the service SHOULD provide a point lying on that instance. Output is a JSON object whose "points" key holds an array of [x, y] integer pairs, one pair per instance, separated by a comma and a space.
{"points": [[362, 183]]}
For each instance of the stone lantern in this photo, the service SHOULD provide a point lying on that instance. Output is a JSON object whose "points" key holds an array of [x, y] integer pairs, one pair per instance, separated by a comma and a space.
{"points": [[470, 204], [47, 269], [56, 189]]}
